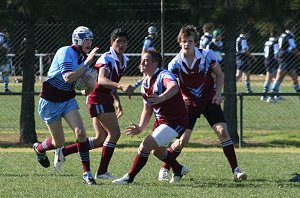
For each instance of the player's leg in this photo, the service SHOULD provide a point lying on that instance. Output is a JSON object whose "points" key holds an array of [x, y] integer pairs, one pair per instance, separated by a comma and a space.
{"points": [[73, 118], [177, 146], [110, 124], [293, 74], [51, 114], [216, 119], [281, 72], [247, 81]]}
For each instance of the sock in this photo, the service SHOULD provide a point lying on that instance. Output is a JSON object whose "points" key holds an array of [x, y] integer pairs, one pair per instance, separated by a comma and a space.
{"points": [[296, 87], [46, 145], [5, 82], [170, 159], [229, 152], [275, 86], [173, 151], [83, 148], [139, 162], [248, 86], [107, 152], [266, 87], [68, 150]]}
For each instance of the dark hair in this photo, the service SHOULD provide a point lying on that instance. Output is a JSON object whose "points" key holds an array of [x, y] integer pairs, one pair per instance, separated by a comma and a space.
{"points": [[207, 27], [156, 57], [118, 33], [188, 30]]}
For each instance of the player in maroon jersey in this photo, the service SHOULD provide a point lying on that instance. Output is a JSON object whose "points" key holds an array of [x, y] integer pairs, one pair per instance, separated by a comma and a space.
{"points": [[161, 94], [201, 82]]}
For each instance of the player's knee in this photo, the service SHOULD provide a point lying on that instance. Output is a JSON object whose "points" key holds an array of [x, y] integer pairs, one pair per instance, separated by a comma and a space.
{"points": [[158, 153], [80, 134]]}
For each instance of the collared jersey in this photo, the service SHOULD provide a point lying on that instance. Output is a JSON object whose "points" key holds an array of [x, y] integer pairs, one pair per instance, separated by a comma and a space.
{"points": [[171, 111], [55, 88], [241, 44], [196, 81], [286, 41], [271, 48], [110, 62], [205, 39], [148, 43]]}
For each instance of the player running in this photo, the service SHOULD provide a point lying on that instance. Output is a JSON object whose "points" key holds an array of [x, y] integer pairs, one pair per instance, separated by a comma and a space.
{"points": [[111, 66], [57, 99]]}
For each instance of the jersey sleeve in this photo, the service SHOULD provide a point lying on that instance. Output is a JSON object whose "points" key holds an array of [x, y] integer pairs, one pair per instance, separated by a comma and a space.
{"points": [[103, 62], [147, 44], [211, 58], [173, 67], [65, 61]]}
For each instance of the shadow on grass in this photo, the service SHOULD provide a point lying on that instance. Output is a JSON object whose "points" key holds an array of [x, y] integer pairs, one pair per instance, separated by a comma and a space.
{"points": [[135, 144]]}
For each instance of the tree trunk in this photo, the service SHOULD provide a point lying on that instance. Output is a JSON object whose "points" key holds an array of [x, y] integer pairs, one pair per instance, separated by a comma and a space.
{"points": [[230, 103], [27, 121]]}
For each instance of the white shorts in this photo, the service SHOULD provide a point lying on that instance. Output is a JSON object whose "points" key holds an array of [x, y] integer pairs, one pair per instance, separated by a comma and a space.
{"points": [[163, 135]]}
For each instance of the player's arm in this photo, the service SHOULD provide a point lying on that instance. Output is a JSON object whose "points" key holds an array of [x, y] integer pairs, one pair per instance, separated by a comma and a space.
{"points": [[71, 76], [107, 83], [117, 104], [219, 82], [135, 129], [172, 90]]}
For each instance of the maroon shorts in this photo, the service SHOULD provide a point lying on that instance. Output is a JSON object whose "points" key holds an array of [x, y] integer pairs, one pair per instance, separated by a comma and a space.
{"points": [[95, 109]]}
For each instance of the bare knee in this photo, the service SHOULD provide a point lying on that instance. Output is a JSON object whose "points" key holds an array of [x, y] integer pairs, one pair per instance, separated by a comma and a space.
{"points": [[80, 134], [221, 131]]}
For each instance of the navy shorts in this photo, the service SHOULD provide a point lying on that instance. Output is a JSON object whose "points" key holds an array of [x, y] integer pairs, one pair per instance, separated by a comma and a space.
{"points": [[212, 112], [271, 65], [242, 63]]}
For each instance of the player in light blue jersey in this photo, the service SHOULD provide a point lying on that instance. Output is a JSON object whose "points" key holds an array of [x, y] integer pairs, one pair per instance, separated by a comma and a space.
{"points": [[287, 57], [206, 38], [6, 66], [243, 57], [271, 51], [57, 98]]}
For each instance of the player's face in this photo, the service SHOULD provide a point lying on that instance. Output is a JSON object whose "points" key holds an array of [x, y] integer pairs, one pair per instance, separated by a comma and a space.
{"points": [[187, 44], [147, 66], [120, 44], [86, 45]]}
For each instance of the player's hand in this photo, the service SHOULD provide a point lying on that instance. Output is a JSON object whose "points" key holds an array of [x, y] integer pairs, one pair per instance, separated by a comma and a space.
{"points": [[132, 130], [217, 99], [128, 89], [154, 99], [91, 56]]}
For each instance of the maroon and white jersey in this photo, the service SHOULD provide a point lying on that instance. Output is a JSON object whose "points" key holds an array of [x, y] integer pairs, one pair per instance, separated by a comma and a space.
{"points": [[171, 111], [111, 63], [196, 81]]}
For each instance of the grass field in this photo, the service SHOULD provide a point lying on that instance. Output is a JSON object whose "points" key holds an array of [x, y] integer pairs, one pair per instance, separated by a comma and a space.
{"points": [[271, 154], [210, 176]]}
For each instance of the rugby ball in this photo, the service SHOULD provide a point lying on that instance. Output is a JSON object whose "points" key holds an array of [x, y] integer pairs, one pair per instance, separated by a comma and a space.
{"points": [[80, 84]]}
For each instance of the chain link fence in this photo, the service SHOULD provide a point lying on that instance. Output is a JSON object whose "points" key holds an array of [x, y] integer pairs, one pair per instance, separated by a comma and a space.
{"points": [[51, 36]]}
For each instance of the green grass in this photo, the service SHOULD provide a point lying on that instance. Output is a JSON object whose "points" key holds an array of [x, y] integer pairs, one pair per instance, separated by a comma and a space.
{"points": [[270, 156], [210, 176]]}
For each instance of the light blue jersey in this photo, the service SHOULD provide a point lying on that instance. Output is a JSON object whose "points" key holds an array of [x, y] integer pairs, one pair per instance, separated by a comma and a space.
{"points": [[65, 60]]}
